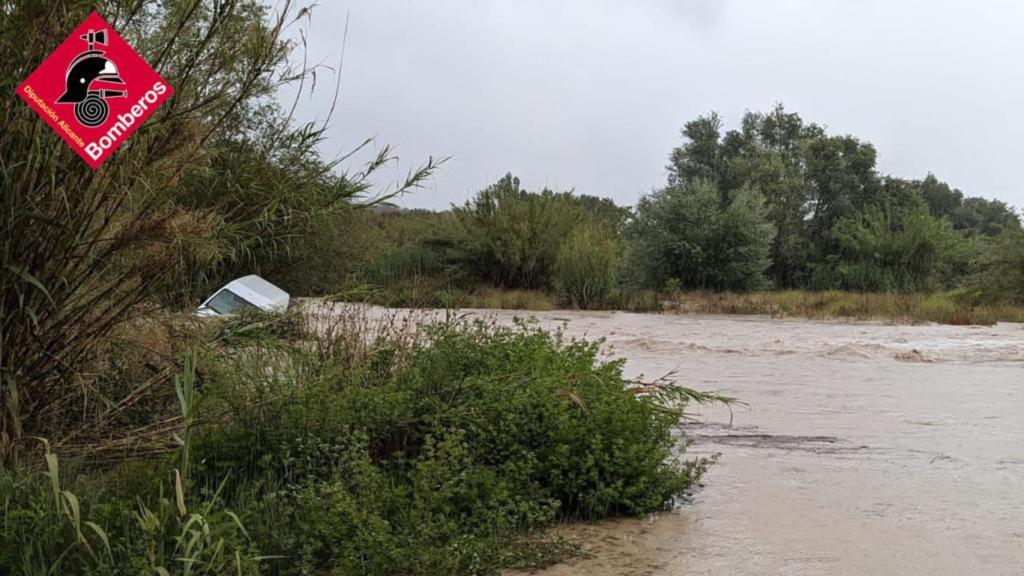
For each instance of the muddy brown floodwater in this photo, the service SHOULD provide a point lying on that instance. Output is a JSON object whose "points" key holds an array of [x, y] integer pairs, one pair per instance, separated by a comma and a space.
{"points": [[863, 449]]}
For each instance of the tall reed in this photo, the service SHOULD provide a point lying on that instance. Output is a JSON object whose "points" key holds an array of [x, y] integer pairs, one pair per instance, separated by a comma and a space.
{"points": [[80, 249]]}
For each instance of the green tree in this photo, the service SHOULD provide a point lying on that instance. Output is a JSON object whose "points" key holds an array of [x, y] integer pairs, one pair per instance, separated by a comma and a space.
{"points": [[981, 216], [1001, 268], [881, 252], [702, 237], [701, 156], [809, 180], [942, 200], [767, 153], [971, 215], [603, 211]]}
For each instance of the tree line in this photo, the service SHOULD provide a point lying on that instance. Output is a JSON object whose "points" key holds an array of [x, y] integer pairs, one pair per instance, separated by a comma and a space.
{"points": [[817, 213], [778, 203]]}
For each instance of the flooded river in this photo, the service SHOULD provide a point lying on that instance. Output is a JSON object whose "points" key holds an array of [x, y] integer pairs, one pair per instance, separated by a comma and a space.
{"points": [[863, 448]]}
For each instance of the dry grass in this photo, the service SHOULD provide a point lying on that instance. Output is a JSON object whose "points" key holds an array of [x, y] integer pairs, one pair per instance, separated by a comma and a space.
{"points": [[944, 308], [421, 292], [897, 308], [495, 298], [353, 331], [133, 373]]}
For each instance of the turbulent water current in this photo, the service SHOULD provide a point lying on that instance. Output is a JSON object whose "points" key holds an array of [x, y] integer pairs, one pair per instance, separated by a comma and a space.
{"points": [[861, 448]]}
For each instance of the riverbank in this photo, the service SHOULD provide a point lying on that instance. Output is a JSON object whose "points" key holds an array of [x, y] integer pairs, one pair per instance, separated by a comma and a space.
{"points": [[897, 308]]}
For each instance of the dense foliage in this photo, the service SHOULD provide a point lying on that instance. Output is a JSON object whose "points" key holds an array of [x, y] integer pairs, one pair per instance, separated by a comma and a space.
{"points": [[586, 271], [1001, 274], [702, 238], [777, 203], [880, 251], [512, 238], [839, 222], [506, 237], [330, 445], [216, 183]]}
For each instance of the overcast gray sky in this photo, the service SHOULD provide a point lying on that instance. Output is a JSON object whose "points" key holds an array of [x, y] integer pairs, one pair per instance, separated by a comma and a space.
{"points": [[591, 94]]}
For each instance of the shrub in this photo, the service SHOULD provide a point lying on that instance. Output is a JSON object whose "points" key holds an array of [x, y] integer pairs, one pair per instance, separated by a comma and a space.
{"points": [[511, 237], [81, 251], [336, 442], [586, 271], [705, 240], [398, 264], [328, 258], [132, 520], [883, 251], [218, 183], [370, 245], [1002, 269], [428, 454]]}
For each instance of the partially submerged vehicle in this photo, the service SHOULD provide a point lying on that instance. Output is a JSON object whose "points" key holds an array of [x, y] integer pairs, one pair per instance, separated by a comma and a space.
{"points": [[246, 293]]}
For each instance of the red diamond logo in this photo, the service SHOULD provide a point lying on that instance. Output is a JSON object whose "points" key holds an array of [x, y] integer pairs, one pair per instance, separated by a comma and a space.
{"points": [[94, 90]]}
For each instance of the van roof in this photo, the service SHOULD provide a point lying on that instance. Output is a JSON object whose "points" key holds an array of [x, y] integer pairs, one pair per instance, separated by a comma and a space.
{"points": [[258, 291]]}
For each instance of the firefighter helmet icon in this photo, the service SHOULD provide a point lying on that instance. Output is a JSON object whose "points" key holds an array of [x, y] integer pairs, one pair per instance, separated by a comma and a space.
{"points": [[87, 68]]}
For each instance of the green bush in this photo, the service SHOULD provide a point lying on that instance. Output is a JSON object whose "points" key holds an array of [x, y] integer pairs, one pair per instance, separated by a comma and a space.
{"points": [[511, 237], [586, 272], [701, 237], [329, 257], [383, 248], [431, 457], [137, 519], [880, 250], [360, 450], [1001, 273], [398, 264]]}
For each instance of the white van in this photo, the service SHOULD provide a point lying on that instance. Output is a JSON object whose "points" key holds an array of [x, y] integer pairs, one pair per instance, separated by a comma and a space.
{"points": [[247, 292]]}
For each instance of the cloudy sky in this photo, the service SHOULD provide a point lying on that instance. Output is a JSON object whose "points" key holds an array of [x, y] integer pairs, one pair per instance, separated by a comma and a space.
{"points": [[591, 95]]}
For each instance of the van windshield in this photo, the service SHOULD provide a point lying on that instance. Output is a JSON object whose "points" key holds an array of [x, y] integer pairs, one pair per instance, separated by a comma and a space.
{"points": [[227, 302]]}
